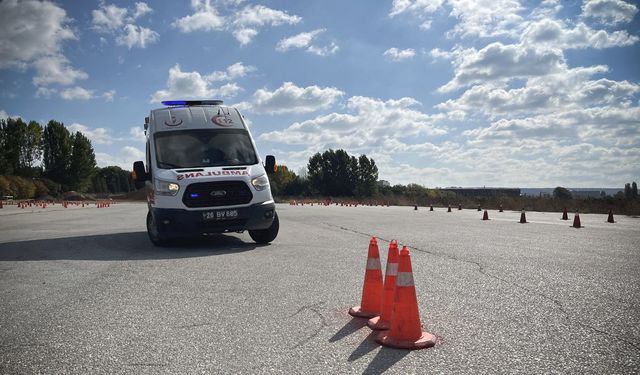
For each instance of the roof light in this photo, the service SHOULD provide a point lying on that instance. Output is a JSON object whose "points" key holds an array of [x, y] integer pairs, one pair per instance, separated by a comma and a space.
{"points": [[191, 102]]}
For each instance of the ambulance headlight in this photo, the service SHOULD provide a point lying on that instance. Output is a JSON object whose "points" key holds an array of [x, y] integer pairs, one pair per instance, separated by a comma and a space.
{"points": [[166, 187], [260, 183]]}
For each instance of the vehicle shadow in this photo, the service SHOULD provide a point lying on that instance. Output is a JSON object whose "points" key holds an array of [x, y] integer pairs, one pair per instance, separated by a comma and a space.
{"points": [[121, 246]]}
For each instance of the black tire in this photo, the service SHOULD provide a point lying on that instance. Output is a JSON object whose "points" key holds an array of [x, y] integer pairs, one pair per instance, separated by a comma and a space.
{"points": [[266, 235], [152, 231]]}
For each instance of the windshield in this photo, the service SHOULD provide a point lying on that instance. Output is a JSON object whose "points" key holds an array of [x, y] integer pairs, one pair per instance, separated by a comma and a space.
{"points": [[204, 148]]}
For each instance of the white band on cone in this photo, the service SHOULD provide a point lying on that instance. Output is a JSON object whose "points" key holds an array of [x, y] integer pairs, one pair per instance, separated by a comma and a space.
{"points": [[404, 279], [373, 264], [392, 269]]}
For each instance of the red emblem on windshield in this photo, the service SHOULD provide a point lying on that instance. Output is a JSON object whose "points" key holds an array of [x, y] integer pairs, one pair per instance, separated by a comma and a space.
{"points": [[222, 120]]}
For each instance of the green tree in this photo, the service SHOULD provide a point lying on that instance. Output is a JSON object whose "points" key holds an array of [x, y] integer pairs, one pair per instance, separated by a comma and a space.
{"points": [[31, 151], [627, 191], [81, 164], [56, 152], [367, 177], [14, 138], [561, 193], [634, 190], [5, 167], [281, 180]]}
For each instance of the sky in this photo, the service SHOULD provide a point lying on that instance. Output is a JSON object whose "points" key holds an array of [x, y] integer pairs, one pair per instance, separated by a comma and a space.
{"points": [[438, 92]]}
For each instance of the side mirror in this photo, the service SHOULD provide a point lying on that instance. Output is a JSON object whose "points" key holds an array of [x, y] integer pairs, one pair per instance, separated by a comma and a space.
{"points": [[270, 164], [139, 174]]}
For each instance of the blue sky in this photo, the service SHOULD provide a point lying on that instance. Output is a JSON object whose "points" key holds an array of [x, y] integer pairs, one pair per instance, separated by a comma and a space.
{"points": [[439, 92]]}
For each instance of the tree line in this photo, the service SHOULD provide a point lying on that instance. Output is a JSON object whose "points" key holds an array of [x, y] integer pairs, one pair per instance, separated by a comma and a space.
{"points": [[331, 173], [38, 160]]}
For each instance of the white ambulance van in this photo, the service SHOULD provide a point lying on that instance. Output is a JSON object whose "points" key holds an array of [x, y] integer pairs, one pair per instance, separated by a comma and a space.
{"points": [[203, 174]]}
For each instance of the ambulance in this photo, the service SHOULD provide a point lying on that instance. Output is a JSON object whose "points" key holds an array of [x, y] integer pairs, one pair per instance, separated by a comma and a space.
{"points": [[203, 174]]}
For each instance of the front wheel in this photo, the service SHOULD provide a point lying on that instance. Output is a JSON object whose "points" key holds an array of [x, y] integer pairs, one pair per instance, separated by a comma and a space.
{"points": [[266, 235], [152, 231]]}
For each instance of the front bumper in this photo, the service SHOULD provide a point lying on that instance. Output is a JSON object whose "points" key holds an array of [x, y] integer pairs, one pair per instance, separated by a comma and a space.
{"points": [[185, 223]]}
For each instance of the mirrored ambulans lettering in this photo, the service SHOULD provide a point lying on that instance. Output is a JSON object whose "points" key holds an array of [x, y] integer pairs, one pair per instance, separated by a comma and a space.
{"points": [[211, 174]]}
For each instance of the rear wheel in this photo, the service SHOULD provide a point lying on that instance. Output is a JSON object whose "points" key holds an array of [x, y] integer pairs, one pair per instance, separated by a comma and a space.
{"points": [[152, 231], [269, 234]]}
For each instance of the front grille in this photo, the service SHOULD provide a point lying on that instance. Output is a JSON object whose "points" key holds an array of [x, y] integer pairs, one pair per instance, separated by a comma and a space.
{"points": [[208, 194]]}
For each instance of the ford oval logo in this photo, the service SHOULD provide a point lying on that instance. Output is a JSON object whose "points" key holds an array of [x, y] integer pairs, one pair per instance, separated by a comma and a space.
{"points": [[218, 193]]}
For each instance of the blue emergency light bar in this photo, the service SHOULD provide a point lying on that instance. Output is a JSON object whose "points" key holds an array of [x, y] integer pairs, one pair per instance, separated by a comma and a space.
{"points": [[174, 103]]}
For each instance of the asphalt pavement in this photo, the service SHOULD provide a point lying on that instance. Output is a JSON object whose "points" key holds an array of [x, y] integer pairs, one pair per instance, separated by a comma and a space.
{"points": [[82, 290]]}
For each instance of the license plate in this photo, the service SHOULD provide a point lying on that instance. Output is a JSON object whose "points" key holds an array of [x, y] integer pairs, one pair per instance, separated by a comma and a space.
{"points": [[220, 215]]}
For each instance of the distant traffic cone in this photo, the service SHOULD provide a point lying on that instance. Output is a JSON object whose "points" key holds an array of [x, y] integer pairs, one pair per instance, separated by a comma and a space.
{"points": [[576, 221], [459, 207], [523, 217], [565, 216], [486, 215], [415, 207], [371, 303], [1, 206], [449, 208], [479, 208], [610, 218], [383, 321], [406, 330], [501, 209], [431, 208]]}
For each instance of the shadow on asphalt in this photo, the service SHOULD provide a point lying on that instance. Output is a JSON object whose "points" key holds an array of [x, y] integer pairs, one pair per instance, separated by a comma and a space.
{"points": [[352, 326], [121, 246], [385, 359]]}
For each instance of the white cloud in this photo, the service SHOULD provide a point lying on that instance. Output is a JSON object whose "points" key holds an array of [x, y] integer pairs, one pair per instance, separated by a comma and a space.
{"points": [[499, 62], [193, 85], [56, 69], [259, 15], [396, 54], [40, 44], [290, 98], [610, 12], [109, 95], [138, 134], [414, 6], [370, 123], [205, 18], [124, 158], [237, 70], [486, 18], [137, 36], [118, 21], [3, 114], [108, 17], [243, 23], [141, 9], [98, 136], [556, 34], [77, 93], [305, 41]]}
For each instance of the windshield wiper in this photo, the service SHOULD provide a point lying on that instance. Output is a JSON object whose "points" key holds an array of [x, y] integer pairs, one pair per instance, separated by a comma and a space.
{"points": [[165, 165]]}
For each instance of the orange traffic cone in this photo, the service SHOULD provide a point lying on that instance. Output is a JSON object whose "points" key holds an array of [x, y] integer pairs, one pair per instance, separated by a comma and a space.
{"points": [[459, 207], [406, 330], [523, 217], [576, 221], [486, 215], [415, 207], [383, 321], [565, 216], [449, 208], [609, 219], [371, 303], [431, 208]]}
